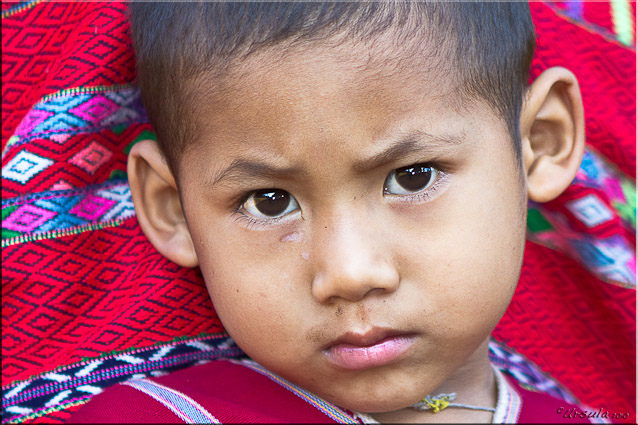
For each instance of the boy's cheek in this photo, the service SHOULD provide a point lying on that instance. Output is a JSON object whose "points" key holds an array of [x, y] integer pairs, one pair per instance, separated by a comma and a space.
{"points": [[262, 308], [239, 271]]}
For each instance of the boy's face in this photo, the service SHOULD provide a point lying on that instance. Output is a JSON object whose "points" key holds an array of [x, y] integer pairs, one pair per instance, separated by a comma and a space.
{"points": [[358, 234]]}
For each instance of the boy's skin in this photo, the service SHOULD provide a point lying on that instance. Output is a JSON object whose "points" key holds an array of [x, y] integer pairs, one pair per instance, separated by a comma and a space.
{"points": [[438, 268]]}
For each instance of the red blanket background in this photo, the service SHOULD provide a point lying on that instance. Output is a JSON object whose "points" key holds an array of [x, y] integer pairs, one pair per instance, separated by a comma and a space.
{"points": [[92, 287]]}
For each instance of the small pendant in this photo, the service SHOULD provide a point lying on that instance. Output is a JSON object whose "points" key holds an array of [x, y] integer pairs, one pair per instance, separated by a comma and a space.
{"points": [[435, 404]]}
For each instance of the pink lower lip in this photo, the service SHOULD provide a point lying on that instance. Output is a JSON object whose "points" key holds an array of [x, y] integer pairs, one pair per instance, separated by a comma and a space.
{"points": [[355, 357]]}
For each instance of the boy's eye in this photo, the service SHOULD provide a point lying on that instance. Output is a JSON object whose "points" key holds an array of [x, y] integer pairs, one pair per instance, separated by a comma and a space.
{"points": [[270, 203], [410, 180]]}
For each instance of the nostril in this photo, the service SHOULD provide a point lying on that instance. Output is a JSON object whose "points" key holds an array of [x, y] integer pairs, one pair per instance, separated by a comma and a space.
{"points": [[350, 262]]}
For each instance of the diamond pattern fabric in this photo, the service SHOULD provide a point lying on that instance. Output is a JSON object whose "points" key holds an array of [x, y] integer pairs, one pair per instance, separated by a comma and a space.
{"points": [[87, 301]]}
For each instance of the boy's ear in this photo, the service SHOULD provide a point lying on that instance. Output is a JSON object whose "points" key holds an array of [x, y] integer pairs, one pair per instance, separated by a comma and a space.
{"points": [[552, 133], [157, 204]]}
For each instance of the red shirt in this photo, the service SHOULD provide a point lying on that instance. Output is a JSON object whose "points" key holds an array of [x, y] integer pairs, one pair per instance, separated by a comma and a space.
{"points": [[243, 391]]}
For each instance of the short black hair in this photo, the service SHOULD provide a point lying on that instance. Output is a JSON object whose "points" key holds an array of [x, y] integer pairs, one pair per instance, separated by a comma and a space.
{"points": [[490, 46]]}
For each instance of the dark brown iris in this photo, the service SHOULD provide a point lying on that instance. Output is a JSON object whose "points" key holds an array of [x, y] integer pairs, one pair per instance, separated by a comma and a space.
{"points": [[271, 202], [414, 177]]}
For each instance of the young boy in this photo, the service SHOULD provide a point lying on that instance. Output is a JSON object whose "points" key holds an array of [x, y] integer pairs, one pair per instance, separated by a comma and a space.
{"points": [[352, 180]]}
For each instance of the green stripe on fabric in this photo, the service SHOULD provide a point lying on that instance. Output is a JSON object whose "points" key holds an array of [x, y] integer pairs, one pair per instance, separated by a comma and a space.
{"points": [[132, 350], [623, 19], [119, 129], [146, 134], [43, 412], [21, 7], [12, 140], [107, 355], [6, 211], [86, 90], [536, 222], [7, 233], [60, 233], [627, 210], [118, 174]]}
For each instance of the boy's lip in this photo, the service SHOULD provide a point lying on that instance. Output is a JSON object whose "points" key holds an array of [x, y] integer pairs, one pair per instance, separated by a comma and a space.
{"points": [[376, 347]]}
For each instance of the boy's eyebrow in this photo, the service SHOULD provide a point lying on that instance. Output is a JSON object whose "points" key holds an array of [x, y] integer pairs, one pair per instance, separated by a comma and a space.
{"points": [[243, 168], [415, 141]]}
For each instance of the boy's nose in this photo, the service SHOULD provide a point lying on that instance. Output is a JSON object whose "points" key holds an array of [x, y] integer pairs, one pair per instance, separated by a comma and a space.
{"points": [[352, 262]]}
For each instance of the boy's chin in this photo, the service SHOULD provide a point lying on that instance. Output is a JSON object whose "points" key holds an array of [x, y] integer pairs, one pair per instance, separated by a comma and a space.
{"points": [[376, 405], [376, 390]]}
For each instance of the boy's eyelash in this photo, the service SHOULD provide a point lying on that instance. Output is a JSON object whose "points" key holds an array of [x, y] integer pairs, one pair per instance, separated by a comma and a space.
{"points": [[251, 222], [427, 194], [248, 220]]}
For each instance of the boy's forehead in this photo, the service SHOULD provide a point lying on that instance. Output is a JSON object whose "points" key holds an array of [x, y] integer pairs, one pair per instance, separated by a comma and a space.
{"points": [[380, 58], [322, 82]]}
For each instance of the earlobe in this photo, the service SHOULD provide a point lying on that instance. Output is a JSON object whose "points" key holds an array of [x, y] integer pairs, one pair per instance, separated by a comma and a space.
{"points": [[552, 133], [157, 204]]}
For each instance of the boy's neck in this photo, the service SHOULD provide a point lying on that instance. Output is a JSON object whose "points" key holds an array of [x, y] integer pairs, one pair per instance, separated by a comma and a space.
{"points": [[474, 384]]}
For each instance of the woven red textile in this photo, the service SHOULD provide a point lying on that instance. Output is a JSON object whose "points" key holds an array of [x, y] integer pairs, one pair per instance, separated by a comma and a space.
{"points": [[89, 283], [562, 318], [92, 293], [51, 46]]}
